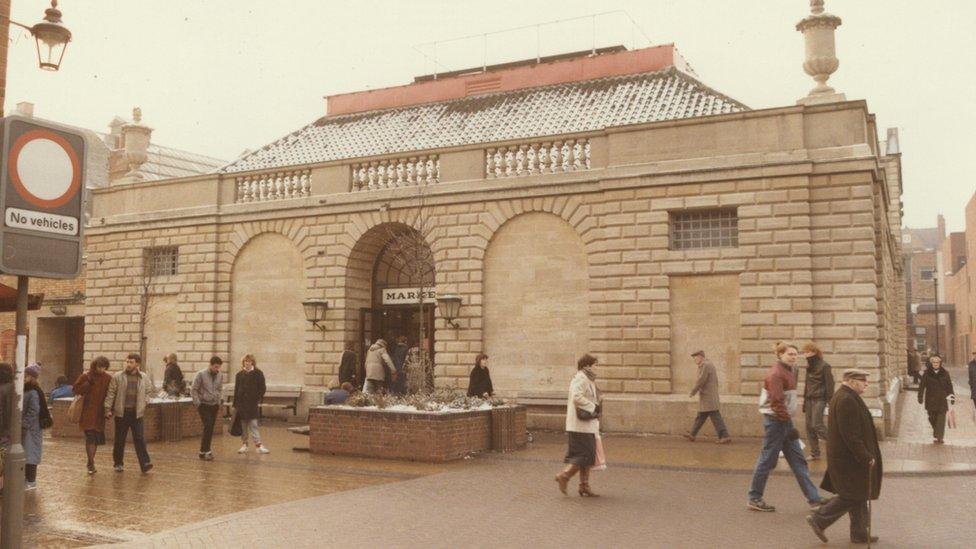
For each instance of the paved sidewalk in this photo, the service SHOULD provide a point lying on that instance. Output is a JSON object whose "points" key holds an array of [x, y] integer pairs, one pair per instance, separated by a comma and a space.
{"points": [[491, 503]]}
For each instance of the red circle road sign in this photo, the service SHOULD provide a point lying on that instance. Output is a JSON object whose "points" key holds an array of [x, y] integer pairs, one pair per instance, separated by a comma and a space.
{"points": [[44, 168]]}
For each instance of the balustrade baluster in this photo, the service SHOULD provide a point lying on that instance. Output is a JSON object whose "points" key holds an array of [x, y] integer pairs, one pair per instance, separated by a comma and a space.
{"points": [[554, 157], [489, 169], [577, 156], [543, 157], [372, 177], [586, 153], [498, 162], [430, 170], [520, 161], [565, 154], [509, 162], [399, 173], [530, 156]]}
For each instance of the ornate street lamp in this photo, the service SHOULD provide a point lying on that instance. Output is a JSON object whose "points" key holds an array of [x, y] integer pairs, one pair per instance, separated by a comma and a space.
{"points": [[449, 307], [52, 38], [315, 311]]}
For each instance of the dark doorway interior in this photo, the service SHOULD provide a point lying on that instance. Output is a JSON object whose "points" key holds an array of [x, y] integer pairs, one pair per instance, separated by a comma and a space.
{"points": [[391, 321]]}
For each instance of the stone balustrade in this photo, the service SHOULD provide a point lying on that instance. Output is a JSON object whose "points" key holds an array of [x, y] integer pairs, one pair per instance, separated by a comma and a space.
{"points": [[396, 172], [537, 158], [273, 185]]}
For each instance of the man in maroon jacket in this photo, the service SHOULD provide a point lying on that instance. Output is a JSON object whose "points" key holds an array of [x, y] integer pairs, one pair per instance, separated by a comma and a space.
{"points": [[777, 404]]}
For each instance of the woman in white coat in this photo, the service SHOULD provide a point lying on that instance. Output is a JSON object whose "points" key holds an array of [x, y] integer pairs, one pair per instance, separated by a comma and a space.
{"points": [[582, 426]]}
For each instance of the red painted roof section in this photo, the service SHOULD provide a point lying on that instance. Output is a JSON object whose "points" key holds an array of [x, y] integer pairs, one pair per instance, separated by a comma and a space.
{"points": [[559, 71]]}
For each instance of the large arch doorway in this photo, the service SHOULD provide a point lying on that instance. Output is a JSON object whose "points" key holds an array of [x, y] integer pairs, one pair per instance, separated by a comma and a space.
{"points": [[390, 272]]}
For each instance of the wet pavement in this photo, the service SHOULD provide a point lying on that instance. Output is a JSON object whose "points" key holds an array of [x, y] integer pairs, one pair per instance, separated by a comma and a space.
{"points": [[72, 509], [301, 498]]}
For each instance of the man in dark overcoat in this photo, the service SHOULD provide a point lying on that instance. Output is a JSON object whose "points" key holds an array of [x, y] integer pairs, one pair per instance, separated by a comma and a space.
{"points": [[854, 468]]}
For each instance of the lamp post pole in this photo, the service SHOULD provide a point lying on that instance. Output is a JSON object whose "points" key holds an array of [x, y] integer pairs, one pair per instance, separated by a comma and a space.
{"points": [[54, 36], [935, 279], [13, 475]]}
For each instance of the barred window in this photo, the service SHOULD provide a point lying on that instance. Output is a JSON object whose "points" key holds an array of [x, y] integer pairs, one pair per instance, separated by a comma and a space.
{"points": [[163, 261], [697, 229], [926, 274]]}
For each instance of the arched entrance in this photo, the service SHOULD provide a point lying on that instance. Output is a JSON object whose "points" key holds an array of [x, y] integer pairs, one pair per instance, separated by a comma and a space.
{"points": [[390, 272]]}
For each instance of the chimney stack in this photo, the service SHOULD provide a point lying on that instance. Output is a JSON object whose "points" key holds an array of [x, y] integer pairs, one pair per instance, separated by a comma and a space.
{"points": [[821, 59], [135, 141]]}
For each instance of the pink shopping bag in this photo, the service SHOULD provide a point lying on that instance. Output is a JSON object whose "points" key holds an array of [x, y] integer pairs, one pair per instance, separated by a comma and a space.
{"points": [[601, 458], [950, 419]]}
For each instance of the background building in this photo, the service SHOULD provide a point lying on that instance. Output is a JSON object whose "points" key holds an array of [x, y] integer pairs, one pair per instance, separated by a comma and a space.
{"points": [[607, 203], [960, 285], [56, 330]]}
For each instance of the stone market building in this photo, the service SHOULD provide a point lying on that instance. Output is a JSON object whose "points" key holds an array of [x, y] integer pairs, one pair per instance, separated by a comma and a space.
{"points": [[608, 203]]}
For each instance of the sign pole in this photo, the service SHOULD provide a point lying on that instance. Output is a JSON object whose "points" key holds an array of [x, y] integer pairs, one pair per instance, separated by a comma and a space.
{"points": [[13, 475]]}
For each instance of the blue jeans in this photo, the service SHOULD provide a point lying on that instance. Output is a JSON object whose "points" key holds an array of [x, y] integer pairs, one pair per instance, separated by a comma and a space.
{"points": [[774, 440]]}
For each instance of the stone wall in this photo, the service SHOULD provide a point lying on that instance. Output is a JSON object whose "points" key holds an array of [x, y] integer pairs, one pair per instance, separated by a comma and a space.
{"points": [[813, 261]]}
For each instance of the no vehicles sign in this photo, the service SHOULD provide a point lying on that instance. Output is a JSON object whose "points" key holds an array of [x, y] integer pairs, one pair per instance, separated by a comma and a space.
{"points": [[42, 182]]}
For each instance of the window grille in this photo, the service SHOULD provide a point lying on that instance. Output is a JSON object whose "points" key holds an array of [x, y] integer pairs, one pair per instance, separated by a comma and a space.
{"points": [[926, 274], [692, 230], [163, 261]]}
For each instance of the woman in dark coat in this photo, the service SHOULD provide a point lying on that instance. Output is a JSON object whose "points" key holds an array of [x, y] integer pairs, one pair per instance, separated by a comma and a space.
{"points": [[479, 383], [93, 385], [935, 391], [249, 388]]}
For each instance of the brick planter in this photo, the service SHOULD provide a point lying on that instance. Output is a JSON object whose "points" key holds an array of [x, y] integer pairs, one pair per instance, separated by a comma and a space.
{"points": [[163, 421], [415, 436]]}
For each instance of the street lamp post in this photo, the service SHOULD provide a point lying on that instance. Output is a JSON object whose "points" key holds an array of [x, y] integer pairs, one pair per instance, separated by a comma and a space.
{"points": [[52, 38], [935, 280]]}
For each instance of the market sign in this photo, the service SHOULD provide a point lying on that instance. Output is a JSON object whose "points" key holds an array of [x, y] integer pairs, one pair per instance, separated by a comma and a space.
{"points": [[42, 182], [408, 296]]}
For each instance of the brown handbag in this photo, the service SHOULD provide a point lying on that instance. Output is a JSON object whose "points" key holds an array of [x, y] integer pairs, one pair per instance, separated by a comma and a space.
{"points": [[75, 408]]}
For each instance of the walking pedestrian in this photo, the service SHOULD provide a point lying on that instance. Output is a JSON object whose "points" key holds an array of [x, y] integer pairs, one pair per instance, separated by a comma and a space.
{"points": [[347, 364], [249, 388], [61, 389], [777, 404], [708, 401], [128, 393], [398, 385], [935, 391], [583, 407], [479, 382], [854, 469], [378, 363], [36, 417], [173, 382], [92, 386], [914, 365], [972, 378], [206, 393], [817, 392]]}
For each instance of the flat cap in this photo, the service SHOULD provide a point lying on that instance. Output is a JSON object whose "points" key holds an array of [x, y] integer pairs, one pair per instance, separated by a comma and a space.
{"points": [[696, 353], [853, 373]]}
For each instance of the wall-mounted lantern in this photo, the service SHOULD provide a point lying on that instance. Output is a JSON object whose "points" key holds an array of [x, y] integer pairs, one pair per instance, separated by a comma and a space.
{"points": [[449, 307], [315, 311]]}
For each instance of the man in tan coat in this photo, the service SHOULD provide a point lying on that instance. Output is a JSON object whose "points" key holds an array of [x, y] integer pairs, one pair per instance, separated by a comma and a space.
{"points": [[707, 390]]}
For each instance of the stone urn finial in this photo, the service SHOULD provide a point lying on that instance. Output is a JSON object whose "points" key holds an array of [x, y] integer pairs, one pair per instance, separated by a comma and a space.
{"points": [[821, 58], [135, 139]]}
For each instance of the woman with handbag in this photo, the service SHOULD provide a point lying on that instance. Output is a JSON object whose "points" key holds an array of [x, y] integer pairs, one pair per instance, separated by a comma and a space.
{"points": [[936, 394], [36, 417], [90, 390], [582, 426]]}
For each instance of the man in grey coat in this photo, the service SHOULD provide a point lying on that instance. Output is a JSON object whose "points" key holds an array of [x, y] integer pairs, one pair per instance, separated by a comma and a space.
{"points": [[707, 390]]}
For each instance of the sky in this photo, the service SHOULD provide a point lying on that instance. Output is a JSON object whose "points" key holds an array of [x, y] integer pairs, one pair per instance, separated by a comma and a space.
{"points": [[219, 77]]}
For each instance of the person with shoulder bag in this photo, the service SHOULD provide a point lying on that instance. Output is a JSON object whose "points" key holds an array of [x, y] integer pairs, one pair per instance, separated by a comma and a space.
{"points": [[583, 407], [36, 417], [90, 391]]}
